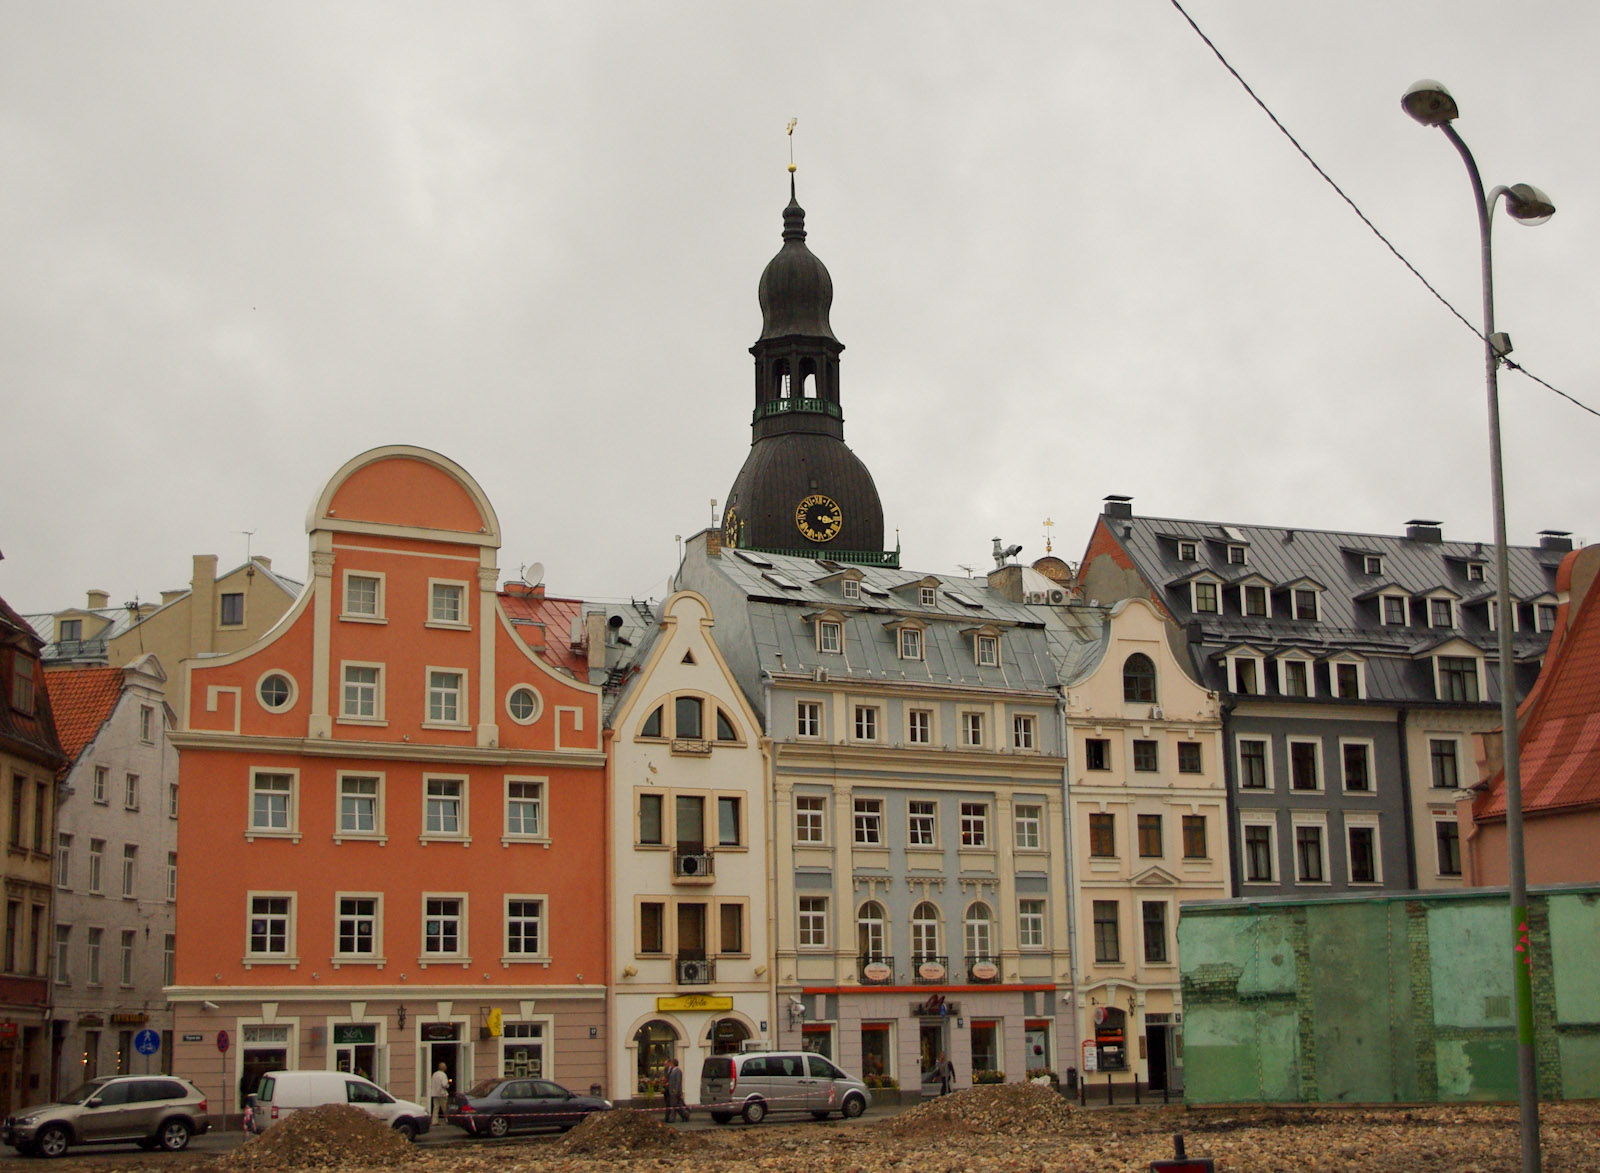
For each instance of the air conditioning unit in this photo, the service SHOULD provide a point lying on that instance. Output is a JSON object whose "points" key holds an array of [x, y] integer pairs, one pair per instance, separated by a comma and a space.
{"points": [[1057, 595], [1033, 597], [820, 675], [691, 865], [691, 972]]}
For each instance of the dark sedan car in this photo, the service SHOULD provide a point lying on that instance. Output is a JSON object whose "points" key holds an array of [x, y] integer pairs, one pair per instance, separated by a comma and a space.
{"points": [[498, 1106]]}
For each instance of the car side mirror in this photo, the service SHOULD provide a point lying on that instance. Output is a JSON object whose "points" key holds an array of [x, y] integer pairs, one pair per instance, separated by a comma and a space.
{"points": [[93, 1102]]}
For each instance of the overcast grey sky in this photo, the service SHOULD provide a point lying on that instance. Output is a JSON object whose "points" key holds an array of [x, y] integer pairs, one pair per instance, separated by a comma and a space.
{"points": [[245, 242]]}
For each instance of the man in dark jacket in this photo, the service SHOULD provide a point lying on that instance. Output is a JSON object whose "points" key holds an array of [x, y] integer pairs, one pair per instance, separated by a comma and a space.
{"points": [[674, 1092]]}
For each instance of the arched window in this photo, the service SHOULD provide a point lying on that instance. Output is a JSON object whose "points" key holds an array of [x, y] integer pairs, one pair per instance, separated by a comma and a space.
{"points": [[655, 1042], [1139, 679], [871, 931], [652, 724], [924, 933], [979, 930]]}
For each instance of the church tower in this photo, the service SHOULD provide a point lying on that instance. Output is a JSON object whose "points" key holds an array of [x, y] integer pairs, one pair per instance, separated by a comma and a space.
{"points": [[801, 490]]}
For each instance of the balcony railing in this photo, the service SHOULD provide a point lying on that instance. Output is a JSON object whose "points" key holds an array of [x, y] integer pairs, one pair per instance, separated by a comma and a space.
{"points": [[694, 969], [796, 407], [983, 970], [885, 558], [928, 969], [875, 969]]}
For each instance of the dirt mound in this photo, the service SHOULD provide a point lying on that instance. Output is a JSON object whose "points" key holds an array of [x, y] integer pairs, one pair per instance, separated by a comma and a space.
{"points": [[1002, 1109], [322, 1137], [621, 1132]]}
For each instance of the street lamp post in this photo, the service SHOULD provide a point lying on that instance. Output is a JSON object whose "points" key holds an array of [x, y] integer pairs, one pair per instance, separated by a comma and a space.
{"points": [[1431, 104]]}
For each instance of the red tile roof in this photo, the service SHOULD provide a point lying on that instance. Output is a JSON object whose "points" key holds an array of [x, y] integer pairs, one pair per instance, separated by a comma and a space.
{"points": [[1560, 724], [545, 625], [83, 699]]}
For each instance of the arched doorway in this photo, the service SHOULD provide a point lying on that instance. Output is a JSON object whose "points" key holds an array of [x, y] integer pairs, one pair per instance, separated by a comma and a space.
{"points": [[655, 1042], [726, 1036]]}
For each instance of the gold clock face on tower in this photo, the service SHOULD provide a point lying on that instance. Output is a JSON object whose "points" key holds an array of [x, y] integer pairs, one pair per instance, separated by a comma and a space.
{"points": [[819, 518], [730, 529]]}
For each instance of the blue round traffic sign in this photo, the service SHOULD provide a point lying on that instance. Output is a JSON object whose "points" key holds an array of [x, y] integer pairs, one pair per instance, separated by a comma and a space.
{"points": [[147, 1042]]}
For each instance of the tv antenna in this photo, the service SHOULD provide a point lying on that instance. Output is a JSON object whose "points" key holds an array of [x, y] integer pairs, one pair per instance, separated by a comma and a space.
{"points": [[531, 573]]}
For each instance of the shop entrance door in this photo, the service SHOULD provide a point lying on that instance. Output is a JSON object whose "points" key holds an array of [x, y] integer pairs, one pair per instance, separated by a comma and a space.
{"points": [[934, 1041], [254, 1062], [1156, 1051]]}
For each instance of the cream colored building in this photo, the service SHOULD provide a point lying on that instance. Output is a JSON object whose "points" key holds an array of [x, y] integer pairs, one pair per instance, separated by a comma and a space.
{"points": [[689, 850], [1148, 827]]}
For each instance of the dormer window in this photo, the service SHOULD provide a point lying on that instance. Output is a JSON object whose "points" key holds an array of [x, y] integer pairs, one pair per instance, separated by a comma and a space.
{"points": [[1441, 613], [1305, 604], [1544, 617], [1348, 680], [1294, 677], [1492, 610], [988, 651], [1457, 679], [1475, 572], [1372, 563], [1204, 597], [1393, 610], [1253, 602], [1236, 555], [1244, 671], [22, 691], [830, 637], [910, 643], [1188, 552], [850, 588], [926, 596], [69, 631]]}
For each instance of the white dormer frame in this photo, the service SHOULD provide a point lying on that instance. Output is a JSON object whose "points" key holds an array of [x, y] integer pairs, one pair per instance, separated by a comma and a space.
{"points": [[1372, 564], [1188, 551], [1238, 554], [1233, 657], [1383, 607], [1492, 607], [1194, 600], [986, 638], [1477, 572], [827, 619], [1544, 600], [900, 629], [850, 588], [1300, 657], [1255, 582], [1457, 649], [1452, 601], [1335, 662], [1315, 589]]}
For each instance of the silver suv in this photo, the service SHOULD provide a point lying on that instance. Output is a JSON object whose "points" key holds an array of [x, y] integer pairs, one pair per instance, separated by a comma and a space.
{"points": [[752, 1084], [152, 1111]]}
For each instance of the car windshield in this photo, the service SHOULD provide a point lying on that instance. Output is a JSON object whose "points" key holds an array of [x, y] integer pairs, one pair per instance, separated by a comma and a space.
{"points": [[83, 1092], [483, 1087]]}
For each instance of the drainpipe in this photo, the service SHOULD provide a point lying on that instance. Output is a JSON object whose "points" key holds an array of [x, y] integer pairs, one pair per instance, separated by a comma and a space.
{"points": [[1230, 782], [1066, 869], [1405, 798], [769, 784]]}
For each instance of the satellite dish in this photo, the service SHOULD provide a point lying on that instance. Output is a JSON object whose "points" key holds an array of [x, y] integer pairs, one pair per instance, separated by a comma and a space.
{"points": [[533, 573]]}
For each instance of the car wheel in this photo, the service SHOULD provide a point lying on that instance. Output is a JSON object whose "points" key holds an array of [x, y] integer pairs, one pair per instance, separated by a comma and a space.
{"points": [[853, 1107], [820, 1115], [174, 1136], [406, 1129], [52, 1141], [722, 1117], [499, 1126], [754, 1112]]}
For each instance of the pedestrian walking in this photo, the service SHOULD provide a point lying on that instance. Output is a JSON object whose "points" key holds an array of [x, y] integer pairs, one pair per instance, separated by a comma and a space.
{"points": [[439, 1091], [674, 1092], [946, 1073]]}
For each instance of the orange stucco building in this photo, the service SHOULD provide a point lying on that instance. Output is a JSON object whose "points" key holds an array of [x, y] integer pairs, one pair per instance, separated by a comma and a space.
{"points": [[394, 816]]}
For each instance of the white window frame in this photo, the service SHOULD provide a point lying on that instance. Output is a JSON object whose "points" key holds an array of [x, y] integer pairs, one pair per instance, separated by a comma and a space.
{"points": [[63, 954], [927, 932], [460, 956], [1282, 666], [539, 801], [910, 643], [378, 612], [375, 956], [1438, 864], [927, 596], [1234, 658], [1194, 596], [1539, 620], [1438, 677], [102, 775], [830, 637], [1450, 611], [1188, 551], [130, 791], [1024, 731], [989, 644], [1361, 677], [1383, 608], [172, 877], [811, 922], [288, 956], [1316, 603], [94, 942], [1320, 822], [1492, 609], [63, 859], [867, 822], [811, 830], [1028, 825], [1370, 746], [972, 728], [288, 701], [808, 713], [1266, 758], [97, 867], [915, 827], [866, 723], [125, 950], [147, 721], [919, 732], [340, 779], [1270, 822], [1031, 922], [974, 826], [463, 832], [1455, 744], [1322, 773], [130, 871], [437, 588], [977, 929], [1372, 564], [292, 807], [439, 696], [1369, 822], [1238, 554], [850, 588], [1477, 572], [347, 715], [541, 921], [520, 688], [1266, 600]]}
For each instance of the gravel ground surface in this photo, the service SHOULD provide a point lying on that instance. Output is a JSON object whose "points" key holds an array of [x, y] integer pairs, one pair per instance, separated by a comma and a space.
{"points": [[1009, 1129]]}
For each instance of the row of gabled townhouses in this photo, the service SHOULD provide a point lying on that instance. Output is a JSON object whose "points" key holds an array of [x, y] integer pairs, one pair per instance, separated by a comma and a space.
{"points": [[812, 799]]}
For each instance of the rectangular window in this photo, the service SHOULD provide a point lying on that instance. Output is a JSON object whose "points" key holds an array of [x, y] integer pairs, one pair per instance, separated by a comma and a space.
{"points": [[652, 927], [172, 800], [147, 724], [910, 643], [271, 801], [444, 808], [972, 729], [1029, 823], [445, 602], [130, 792], [974, 824], [1394, 610], [850, 588], [230, 610], [63, 861], [1305, 604], [525, 808], [730, 827], [921, 823], [650, 828], [1022, 732], [169, 960], [444, 697], [1236, 555], [1258, 853], [829, 637], [1308, 854], [1371, 564], [869, 822], [102, 777], [1107, 943], [524, 927], [1442, 755], [441, 926], [1103, 835], [361, 692], [1303, 771], [358, 926], [988, 651], [1255, 601], [1357, 766], [1097, 753], [1186, 552], [925, 596], [1296, 677], [69, 631], [814, 921], [1347, 681], [96, 936], [130, 869], [1447, 837], [1252, 764], [1150, 836], [97, 854], [64, 955], [1458, 679], [363, 595], [730, 922], [172, 876], [1189, 757], [1194, 837], [1155, 932], [1544, 617], [919, 727], [358, 805], [1363, 842], [1475, 571], [689, 822], [269, 925], [1144, 756], [1440, 613], [1244, 677], [866, 723], [809, 818], [1205, 597], [1030, 924], [808, 719]]}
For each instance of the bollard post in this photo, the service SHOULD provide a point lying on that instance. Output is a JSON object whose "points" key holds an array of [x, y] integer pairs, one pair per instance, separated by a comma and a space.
{"points": [[1136, 1099], [1110, 1093]]}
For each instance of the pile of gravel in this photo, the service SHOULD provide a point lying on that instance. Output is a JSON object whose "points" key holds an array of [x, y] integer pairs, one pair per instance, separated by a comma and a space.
{"points": [[327, 1136], [622, 1132], [998, 1109]]}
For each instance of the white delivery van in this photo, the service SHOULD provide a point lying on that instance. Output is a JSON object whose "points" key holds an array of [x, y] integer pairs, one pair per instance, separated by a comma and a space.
{"points": [[282, 1092]]}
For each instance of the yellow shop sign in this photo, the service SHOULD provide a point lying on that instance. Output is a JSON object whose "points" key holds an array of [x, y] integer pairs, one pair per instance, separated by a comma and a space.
{"points": [[694, 1002]]}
